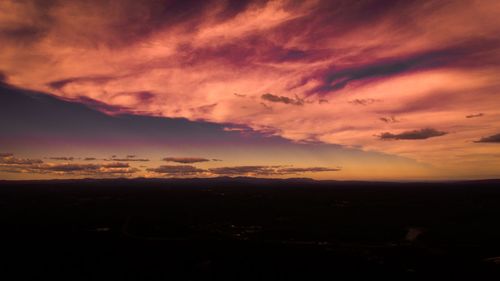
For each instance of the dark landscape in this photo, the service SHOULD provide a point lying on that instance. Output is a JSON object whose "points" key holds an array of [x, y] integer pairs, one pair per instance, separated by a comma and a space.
{"points": [[248, 229]]}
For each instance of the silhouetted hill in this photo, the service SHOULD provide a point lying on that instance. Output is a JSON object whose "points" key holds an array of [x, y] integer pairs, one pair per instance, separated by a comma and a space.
{"points": [[249, 229]]}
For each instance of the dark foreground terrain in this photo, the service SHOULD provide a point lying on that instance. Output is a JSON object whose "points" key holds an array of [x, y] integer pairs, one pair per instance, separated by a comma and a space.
{"points": [[248, 229]]}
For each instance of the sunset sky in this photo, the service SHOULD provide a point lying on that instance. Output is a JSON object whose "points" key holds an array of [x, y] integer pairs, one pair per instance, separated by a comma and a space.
{"points": [[348, 90]]}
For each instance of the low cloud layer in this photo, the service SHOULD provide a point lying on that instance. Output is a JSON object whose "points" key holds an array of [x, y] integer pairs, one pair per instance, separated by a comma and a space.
{"points": [[177, 170], [267, 170], [254, 171], [11, 164]]}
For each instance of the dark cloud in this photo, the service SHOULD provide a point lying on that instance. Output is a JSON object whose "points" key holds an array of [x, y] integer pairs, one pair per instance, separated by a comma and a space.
{"points": [[337, 79], [72, 168], [3, 78], [364, 101], [116, 165], [89, 159], [62, 158], [413, 135], [130, 156], [390, 119], [140, 97], [469, 53], [5, 155], [185, 160], [177, 170], [490, 139], [474, 115], [99, 80], [322, 101], [233, 8], [101, 106], [282, 99], [127, 159]]}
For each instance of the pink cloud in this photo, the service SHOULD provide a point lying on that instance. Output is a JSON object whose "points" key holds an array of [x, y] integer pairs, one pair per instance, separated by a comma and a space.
{"points": [[429, 64]]}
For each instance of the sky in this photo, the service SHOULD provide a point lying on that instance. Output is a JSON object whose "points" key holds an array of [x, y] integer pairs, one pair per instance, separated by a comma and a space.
{"points": [[349, 90]]}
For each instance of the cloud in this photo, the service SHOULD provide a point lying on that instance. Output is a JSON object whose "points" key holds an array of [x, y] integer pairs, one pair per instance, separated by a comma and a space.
{"points": [[177, 170], [282, 99], [60, 84], [307, 170], [9, 159], [243, 170], [413, 135], [390, 119], [267, 170], [71, 168], [204, 109], [11, 164], [101, 106], [335, 80], [474, 115], [5, 155], [363, 101], [3, 78], [490, 139], [128, 158], [115, 165], [89, 159], [62, 158], [193, 54], [185, 160]]}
